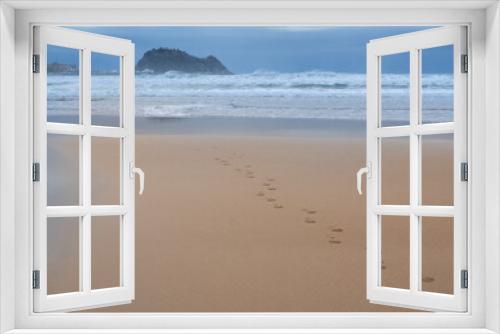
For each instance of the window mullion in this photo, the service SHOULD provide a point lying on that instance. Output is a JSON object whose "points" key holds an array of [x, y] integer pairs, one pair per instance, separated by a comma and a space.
{"points": [[414, 171], [86, 167]]}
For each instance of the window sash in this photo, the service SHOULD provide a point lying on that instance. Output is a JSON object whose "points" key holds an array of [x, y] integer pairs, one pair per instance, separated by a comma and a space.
{"points": [[413, 43], [87, 297]]}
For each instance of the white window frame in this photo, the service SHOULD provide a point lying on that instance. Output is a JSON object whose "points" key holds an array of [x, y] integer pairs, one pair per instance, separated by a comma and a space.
{"points": [[85, 44], [483, 19], [413, 44]]}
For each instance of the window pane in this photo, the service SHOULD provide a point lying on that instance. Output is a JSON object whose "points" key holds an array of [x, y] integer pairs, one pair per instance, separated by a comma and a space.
{"points": [[437, 84], [105, 252], [395, 89], [63, 170], [63, 255], [395, 236], [437, 254], [106, 170], [437, 169], [106, 88], [395, 170], [63, 84]]}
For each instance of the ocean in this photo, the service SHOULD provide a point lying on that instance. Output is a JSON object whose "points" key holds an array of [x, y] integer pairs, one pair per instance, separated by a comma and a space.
{"points": [[262, 94]]}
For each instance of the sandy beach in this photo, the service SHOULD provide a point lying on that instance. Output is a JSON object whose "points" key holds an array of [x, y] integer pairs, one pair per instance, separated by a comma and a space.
{"points": [[263, 223]]}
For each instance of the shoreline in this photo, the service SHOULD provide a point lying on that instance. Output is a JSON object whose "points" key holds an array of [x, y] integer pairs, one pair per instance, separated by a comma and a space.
{"points": [[252, 126], [238, 126]]}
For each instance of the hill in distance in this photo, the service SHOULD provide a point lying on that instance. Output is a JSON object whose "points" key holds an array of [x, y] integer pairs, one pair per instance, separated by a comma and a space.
{"points": [[58, 68], [161, 60]]}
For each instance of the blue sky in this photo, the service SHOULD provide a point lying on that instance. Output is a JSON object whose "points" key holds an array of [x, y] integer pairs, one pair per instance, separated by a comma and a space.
{"points": [[281, 49]]}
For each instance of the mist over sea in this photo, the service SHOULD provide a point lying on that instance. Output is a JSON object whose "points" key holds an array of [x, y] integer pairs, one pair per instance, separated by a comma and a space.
{"points": [[304, 95]]}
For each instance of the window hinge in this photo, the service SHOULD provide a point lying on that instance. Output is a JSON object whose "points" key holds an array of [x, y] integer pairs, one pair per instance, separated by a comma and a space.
{"points": [[36, 63], [464, 279], [36, 279], [464, 171], [36, 172], [465, 63]]}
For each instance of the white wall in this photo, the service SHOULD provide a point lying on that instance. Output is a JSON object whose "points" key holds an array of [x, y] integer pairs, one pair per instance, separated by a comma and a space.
{"points": [[7, 167], [7, 189], [492, 195]]}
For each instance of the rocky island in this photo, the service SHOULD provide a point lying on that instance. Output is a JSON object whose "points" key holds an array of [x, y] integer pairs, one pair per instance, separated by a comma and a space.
{"points": [[161, 60], [57, 68]]}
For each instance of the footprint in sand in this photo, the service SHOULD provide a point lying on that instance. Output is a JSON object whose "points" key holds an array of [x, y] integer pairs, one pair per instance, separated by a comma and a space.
{"points": [[265, 184], [250, 176], [270, 199], [278, 206], [333, 241], [237, 170], [309, 211], [309, 220], [271, 188], [428, 279], [260, 193], [248, 166], [338, 230], [270, 179]]}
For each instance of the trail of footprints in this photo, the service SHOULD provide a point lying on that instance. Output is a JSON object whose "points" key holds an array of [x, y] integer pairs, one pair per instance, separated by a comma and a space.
{"points": [[334, 233], [246, 170], [269, 188]]}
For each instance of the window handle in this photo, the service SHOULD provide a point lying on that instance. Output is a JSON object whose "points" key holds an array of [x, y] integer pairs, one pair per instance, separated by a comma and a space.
{"points": [[135, 170], [365, 170]]}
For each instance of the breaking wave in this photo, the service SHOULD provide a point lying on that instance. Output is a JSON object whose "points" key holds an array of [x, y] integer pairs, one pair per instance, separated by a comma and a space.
{"points": [[313, 94]]}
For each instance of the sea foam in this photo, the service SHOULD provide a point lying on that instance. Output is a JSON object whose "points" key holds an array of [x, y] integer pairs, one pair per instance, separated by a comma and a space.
{"points": [[313, 94]]}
